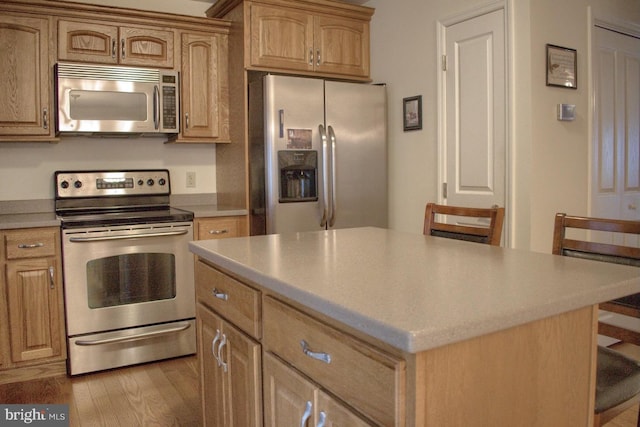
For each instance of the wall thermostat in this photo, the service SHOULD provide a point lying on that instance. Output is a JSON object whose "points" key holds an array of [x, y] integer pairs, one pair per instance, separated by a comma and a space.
{"points": [[566, 112]]}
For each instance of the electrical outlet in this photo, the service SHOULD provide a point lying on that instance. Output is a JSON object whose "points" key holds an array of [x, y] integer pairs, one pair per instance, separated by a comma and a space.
{"points": [[191, 179]]}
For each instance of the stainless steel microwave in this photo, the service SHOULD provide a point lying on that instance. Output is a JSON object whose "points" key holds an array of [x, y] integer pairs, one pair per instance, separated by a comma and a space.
{"points": [[94, 99]]}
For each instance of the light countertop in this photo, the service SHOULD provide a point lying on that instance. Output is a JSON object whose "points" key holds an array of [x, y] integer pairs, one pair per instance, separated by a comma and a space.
{"points": [[418, 292]]}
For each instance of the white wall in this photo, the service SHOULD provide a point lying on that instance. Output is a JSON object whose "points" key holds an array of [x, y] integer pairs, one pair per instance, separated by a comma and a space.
{"points": [[549, 159], [26, 169]]}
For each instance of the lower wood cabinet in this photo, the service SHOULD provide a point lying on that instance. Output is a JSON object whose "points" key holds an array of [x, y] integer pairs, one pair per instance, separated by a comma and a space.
{"points": [[259, 355], [31, 306], [290, 400], [220, 227], [230, 373]]}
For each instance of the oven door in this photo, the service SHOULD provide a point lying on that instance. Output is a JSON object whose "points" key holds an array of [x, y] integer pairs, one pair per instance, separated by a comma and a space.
{"points": [[127, 276]]}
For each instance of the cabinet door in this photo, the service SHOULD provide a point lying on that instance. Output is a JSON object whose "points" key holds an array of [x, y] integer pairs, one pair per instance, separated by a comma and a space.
{"points": [[34, 295], [5, 356], [336, 414], [281, 38], [241, 357], [288, 397], [341, 46], [25, 79], [205, 87], [209, 328], [144, 46], [230, 373], [87, 42]]}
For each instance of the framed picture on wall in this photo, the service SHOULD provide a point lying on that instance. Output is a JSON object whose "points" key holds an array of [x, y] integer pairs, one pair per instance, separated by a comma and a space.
{"points": [[412, 113], [562, 69]]}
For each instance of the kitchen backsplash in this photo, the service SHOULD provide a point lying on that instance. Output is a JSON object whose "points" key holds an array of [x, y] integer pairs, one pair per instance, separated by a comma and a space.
{"points": [[26, 169]]}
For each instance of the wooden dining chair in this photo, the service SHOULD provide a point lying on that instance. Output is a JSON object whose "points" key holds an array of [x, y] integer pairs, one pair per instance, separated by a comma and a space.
{"points": [[465, 230], [618, 377]]}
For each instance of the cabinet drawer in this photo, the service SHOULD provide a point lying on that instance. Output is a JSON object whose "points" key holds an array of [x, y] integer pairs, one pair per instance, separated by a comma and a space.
{"points": [[218, 228], [235, 301], [367, 379], [30, 243]]}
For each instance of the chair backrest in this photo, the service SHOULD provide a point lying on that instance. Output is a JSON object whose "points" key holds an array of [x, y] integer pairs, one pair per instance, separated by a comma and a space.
{"points": [[491, 234], [607, 252]]}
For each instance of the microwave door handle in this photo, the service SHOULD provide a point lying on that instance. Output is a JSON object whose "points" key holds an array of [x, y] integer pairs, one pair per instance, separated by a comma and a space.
{"points": [[156, 107]]}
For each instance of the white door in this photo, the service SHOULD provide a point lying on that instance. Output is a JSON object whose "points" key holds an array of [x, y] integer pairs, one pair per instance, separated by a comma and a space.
{"points": [[615, 186], [474, 87]]}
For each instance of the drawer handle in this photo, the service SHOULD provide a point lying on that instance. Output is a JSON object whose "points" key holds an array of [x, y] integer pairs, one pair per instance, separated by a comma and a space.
{"points": [[306, 415], [220, 295], [213, 346], [30, 245], [322, 419], [218, 232], [323, 357]]}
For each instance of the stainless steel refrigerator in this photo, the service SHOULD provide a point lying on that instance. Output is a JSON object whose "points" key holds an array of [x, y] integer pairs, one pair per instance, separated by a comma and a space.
{"points": [[318, 154]]}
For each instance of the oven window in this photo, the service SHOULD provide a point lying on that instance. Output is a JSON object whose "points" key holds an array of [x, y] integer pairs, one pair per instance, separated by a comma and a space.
{"points": [[130, 279]]}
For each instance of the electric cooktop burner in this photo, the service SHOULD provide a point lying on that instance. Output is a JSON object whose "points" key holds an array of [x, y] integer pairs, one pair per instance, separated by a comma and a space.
{"points": [[102, 198]]}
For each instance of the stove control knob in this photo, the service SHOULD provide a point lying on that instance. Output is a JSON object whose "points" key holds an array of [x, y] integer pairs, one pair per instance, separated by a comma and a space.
{"points": [[77, 184], [64, 184], [150, 182], [162, 181], [140, 182]]}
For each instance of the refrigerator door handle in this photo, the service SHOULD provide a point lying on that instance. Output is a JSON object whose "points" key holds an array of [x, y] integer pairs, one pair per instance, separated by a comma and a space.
{"points": [[325, 176], [332, 208]]}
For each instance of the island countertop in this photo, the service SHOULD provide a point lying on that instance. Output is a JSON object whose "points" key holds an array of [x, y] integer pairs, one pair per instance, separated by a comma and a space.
{"points": [[418, 292]]}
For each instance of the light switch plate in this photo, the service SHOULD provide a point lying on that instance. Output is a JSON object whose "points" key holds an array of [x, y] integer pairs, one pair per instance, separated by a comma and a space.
{"points": [[566, 112]]}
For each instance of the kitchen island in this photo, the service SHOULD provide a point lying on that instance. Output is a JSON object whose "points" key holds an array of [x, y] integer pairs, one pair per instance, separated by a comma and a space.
{"points": [[424, 330]]}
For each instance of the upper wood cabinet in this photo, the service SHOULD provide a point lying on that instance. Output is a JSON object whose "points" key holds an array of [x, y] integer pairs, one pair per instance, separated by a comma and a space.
{"points": [[204, 88], [90, 41], [298, 40], [25, 78], [305, 37]]}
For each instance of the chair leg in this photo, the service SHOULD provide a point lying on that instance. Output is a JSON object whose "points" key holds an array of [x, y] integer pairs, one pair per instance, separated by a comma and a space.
{"points": [[638, 422]]}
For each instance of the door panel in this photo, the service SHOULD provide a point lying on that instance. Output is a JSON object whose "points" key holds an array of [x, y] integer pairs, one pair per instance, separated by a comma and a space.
{"points": [[357, 115], [296, 104], [475, 117], [615, 185]]}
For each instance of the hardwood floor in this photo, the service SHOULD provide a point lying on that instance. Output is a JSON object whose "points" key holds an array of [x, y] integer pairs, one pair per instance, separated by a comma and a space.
{"points": [[161, 393]]}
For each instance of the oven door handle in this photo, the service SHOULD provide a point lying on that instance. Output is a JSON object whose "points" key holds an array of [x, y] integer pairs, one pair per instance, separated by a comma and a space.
{"points": [[127, 236], [145, 335]]}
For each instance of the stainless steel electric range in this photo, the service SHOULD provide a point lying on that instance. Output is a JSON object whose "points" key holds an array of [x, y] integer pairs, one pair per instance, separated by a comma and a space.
{"points": [[128, 274]]}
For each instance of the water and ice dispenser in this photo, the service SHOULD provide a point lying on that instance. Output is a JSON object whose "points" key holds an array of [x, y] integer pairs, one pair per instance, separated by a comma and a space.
{"points": [[298, 176]]}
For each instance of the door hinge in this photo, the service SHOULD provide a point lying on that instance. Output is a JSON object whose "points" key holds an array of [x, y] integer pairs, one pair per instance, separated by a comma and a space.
{"points": [[444, 62], [444, 190]]}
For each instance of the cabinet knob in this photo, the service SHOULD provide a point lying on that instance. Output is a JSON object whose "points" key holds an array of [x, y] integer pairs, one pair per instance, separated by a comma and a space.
{"points": [[223, 343], [45, 118], [310, 56], [318, 58]]}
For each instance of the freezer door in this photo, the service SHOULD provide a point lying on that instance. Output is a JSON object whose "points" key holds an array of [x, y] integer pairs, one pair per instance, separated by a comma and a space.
{"points": [[294, 108], [356, 117]]}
